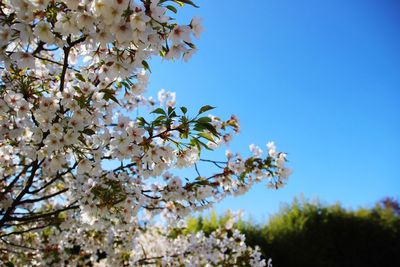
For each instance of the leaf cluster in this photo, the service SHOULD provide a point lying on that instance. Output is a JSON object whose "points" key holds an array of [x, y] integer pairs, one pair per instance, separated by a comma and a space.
{"points": [[192, 131]]}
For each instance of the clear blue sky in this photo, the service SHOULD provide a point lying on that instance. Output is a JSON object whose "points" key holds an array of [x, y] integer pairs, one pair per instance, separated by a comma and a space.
{"points": [[320, 78]]}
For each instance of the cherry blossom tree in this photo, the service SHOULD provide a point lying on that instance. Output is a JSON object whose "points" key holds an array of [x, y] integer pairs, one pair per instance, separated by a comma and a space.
{"points": [[85, 179]]}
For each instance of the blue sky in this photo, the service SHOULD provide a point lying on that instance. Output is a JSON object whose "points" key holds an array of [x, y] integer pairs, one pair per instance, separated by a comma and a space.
{"points": [[320, 78]]}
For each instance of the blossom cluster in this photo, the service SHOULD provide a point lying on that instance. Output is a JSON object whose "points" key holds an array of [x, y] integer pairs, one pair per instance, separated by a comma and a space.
{"points": [[71, 150], [138, 248]]}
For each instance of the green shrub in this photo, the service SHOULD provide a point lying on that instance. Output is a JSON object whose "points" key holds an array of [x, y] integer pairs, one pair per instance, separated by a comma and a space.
{"points": [[311, 234]]}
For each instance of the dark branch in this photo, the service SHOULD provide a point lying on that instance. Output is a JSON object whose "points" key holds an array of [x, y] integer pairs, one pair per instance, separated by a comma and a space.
{"points": [[33, 200]]}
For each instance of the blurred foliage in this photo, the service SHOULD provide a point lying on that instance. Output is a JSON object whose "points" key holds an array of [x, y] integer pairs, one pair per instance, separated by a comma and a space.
{"points": [[308, 233]]}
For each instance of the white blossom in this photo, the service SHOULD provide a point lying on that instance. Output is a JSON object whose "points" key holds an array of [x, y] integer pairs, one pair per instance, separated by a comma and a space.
{"points": [[85, 165]]}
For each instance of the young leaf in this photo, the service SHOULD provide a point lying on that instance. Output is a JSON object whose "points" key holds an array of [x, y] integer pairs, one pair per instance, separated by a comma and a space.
{"points": [[88, 131], [171, 112], [184, 110], [159, 111], [187, 2], [146, 65], [141, 121], [80, 77], [209, 127], [172, 8], [204, 145], [207, 136], [205, 108], [113, 98], [196, 142], [160, 118], [204, 119], [180, 3]]}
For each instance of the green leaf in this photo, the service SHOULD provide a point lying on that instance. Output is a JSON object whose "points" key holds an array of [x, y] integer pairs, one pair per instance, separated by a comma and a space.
{"points": [[180, 3], [196, 142], [204, 145], [204, 119], [82, 139], [88, 131], [78, 89], [199, 128], [184, 110], [205, 108], [160, 118], [146, 65], [159, 111], [171, 112], [186, 2], [173, 115], [113, 98], [190, 45], [172, 8], [210, 128], [184, 120], [80, 77], [183, 135], [141, 121], [109, 94], [242, 176], [126, 85], [162, 53], [207, 136], [81, 100]]}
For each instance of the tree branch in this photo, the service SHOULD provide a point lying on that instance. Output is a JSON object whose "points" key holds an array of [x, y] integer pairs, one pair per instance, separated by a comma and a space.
{"points": [[7, 215], [43, 198], [45, 215]]}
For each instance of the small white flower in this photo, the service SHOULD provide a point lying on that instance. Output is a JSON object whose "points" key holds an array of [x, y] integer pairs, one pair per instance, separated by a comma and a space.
{"points": [[24, 60], [84, 166], [180, 33], [14, 100], [271, 149], [43, 31], [123, 32], [255, 150], [197, 27]]}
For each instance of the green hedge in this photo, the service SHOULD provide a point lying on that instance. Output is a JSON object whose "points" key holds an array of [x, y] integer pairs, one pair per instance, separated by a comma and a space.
{"points": [[311, 234]]}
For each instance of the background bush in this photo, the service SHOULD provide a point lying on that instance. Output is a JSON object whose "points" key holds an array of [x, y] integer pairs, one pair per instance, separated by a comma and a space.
{"points": [[308, 233]]}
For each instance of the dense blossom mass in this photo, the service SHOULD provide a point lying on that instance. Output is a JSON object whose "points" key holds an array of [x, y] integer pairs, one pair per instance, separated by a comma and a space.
{"points": [[82, 175]]}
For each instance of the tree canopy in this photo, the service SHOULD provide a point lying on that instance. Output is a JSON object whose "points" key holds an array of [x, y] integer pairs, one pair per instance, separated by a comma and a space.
{"points": [[82, 174]]}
